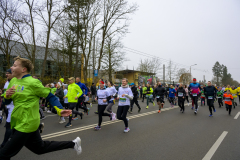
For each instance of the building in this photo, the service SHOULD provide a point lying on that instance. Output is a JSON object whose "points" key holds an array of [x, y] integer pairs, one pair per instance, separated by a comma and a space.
{"points": [[134, 76]]}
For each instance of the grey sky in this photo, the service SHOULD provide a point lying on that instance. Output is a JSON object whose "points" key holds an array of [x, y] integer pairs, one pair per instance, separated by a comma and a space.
{"points": [[187, 32]]}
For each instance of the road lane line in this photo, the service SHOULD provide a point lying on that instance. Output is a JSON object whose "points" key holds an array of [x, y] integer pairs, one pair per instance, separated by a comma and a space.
{"points": [[236, 117], [213, 149], [57, 134]]}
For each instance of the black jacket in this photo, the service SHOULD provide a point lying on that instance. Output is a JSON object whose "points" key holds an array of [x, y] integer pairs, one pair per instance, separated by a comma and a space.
{"points": [[60, 94], [134, 91], [182, 90], [93, 89], [210, 91], [160, 91]]}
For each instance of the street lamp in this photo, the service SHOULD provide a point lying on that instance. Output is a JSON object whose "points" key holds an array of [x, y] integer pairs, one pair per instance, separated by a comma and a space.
{"points": [[191, 71]]}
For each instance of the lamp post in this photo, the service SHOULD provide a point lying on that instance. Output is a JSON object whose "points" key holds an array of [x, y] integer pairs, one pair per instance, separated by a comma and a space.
{"points": [[191, 70]]}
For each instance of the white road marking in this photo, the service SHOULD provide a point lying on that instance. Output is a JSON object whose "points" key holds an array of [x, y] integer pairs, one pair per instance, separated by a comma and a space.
{"points": [[236, 117], [65, 132], [213, 149]]}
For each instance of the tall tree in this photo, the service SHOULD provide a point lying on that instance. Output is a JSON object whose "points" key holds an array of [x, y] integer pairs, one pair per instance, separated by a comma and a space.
{"points": [[183, 75], [218, 72], [150, 65]]}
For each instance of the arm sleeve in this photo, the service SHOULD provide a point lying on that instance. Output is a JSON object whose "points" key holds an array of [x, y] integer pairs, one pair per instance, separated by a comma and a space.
{"points": [[85, 88], [79, 90], [6, 101], [54, 102], [130, 95]]}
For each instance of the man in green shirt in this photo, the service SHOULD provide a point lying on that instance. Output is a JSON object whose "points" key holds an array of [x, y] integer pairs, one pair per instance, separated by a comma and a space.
{"points": [[25, 92]]}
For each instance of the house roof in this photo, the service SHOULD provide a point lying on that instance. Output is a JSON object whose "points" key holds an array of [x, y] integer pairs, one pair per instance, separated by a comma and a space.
{"points": [[134, 71]]}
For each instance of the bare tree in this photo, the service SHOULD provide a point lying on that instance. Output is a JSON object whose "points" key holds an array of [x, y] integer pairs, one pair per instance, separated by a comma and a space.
{"points": [[8, 11], [114, 12], [54, 10], [183, 76], [150, 65], [113, 56]]}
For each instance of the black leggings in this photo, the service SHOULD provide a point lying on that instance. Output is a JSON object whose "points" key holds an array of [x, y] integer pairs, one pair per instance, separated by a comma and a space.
{"points": [[220, 102], [229, 108], [195, 101], [101, 109], [171, 100], [210, 105], [134, 100], [72, 106], [80, 104], [187, 99], [122, 114], [33, 142], [181, 103]]}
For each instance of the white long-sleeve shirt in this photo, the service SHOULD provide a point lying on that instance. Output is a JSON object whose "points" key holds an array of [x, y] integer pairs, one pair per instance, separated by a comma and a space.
{"points": [[10, 107], [111, 91], [124, 101], [102, 94]]}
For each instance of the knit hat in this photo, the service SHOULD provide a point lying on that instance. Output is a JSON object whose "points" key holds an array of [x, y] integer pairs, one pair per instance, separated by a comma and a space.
{"points": [[59, 84], [61, 79]]}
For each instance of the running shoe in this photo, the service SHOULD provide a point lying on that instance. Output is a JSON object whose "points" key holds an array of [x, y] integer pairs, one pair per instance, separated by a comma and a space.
{"points": [[62, 121], [91, 104], [139, 110], [195, 112], [127, 129], [43, 117], [159, 111], [77, 146], [129, 111], [214, 110], [41, 127], [153, 104], [75, 118], [97, 128], [192, 107], [81, 115], [49, 111], [68, 125], [113, 116], [147, 107], [210, 115]]}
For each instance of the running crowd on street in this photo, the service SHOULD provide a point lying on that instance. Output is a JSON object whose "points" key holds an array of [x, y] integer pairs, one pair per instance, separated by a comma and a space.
{"points": [[25, 101]]}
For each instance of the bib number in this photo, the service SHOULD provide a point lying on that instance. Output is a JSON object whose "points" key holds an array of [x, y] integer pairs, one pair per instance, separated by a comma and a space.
{"points": [[227, 99], [210, 97], [122, 100], [219, 97], [180, 94], [157, 96], [234, 95], [203, 95], [194, 94]]}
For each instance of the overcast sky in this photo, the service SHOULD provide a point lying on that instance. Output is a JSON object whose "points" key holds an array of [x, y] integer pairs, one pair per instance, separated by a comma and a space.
{"points": [[187, 32]]}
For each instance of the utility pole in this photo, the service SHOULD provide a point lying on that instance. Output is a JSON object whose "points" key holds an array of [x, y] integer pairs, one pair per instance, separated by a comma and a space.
{"points": [[164, 74]]}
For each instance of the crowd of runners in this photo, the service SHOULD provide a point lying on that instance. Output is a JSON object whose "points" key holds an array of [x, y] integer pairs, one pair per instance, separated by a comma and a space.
{"points": [[25, 102]]}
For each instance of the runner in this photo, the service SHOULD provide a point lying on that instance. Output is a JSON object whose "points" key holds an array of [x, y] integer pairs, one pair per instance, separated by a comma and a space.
{"points": [[124, 95], [238, 89], [186, 90], [103, 97], [228, 101], [234, 92], [220, 97], [82, 97], [112, 92], [144, 89], [149, 95], [193, 87], [181, 97], [171, 96], [65, 91], [203, 97], [210, 92], [160, 92], [135, 97], [74, 92], [25, 92]]}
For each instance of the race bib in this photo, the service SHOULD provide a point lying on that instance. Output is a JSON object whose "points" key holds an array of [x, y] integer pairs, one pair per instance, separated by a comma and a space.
{"points": [[180, 94], [157, 96], [210, 97], [195, 94], [234, 95], [122, 100], [203, 95], [227, 99], [219, 97]]}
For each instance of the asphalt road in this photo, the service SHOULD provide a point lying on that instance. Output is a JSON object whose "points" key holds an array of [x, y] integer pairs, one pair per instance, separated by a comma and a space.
{"points": [[170, 135]]}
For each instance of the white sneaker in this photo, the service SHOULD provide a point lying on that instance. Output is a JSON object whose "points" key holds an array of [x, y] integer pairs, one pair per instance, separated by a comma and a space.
{"points": [[113, 116], [62, 121], [126, 130], [49, 111], [77, 146]]}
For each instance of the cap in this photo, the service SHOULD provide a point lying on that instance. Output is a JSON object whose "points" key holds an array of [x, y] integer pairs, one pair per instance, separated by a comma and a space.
{"points": [[9, 71], [194, 79], [132, 84], [101, 82], [61, 79]]}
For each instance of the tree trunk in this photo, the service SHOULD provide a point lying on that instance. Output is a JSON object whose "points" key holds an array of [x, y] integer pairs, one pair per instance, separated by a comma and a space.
{"points": [[70, 63], [46, 53], [76, 63]]}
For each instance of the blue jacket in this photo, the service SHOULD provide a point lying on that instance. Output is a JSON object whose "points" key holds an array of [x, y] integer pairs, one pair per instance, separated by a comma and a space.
{"points": [[83, 88], [170, 92]]}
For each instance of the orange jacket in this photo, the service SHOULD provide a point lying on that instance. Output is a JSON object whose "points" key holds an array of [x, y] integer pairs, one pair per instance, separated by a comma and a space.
{"points": [[228, 98]]}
